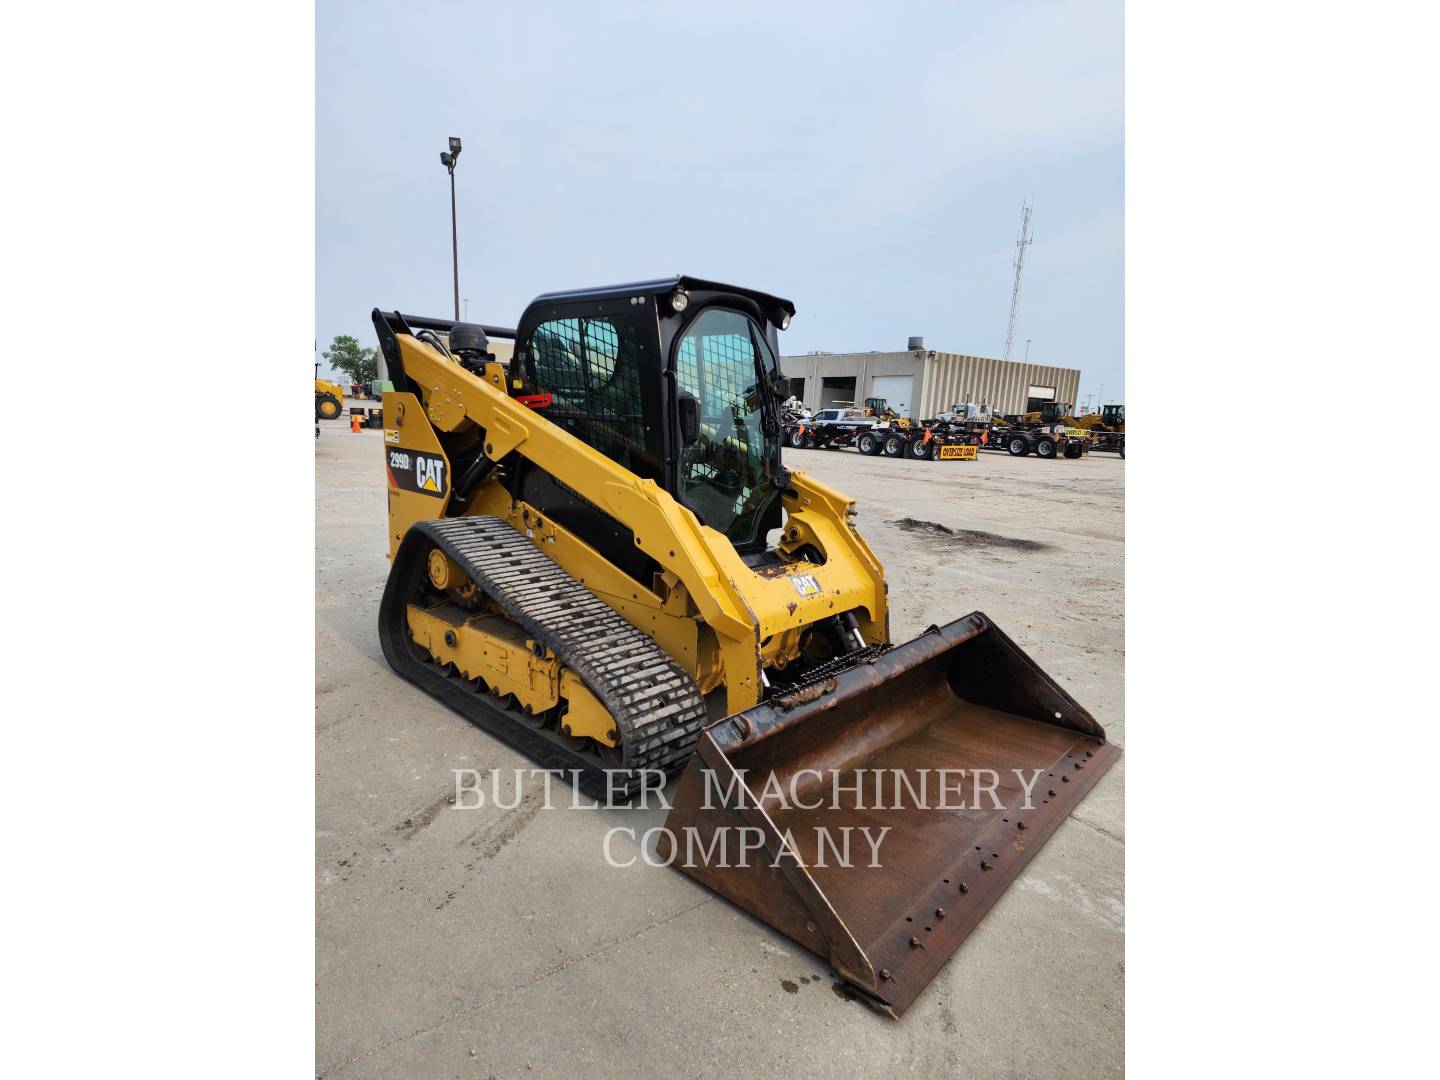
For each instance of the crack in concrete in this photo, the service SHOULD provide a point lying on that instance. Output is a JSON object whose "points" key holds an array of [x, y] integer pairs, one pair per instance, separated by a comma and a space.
{"points": [[539, 978], [1101, 829]]}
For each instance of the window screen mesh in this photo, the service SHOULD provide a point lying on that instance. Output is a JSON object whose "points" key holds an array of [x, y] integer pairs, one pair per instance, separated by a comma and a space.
{"points": [[591, 367]]}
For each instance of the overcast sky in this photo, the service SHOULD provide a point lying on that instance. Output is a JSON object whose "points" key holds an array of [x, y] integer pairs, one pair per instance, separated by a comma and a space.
{"points": [[866, 161]]}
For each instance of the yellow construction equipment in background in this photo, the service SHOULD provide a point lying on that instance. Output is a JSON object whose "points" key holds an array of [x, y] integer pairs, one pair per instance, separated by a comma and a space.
{"points": [[329, 399], [1106, 428]]}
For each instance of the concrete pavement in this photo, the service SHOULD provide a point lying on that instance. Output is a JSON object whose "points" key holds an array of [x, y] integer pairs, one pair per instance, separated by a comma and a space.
{"points": [[479, 943]]}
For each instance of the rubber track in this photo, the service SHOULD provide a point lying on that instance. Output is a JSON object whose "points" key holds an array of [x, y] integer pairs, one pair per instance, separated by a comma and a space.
{"points": [[656, 707]]}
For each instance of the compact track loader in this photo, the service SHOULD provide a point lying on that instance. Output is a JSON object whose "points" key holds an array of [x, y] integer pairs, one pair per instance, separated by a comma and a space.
{"points": [[599, 557]]}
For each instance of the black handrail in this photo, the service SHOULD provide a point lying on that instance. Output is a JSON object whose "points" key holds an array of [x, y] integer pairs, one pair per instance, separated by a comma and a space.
{"points": [[426, 322]]}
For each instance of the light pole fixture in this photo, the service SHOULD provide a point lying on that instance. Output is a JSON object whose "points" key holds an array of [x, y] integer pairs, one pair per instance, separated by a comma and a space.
{"points": [[448, 158]]}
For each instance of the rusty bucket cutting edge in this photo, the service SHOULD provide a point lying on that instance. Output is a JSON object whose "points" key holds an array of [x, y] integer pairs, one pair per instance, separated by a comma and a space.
{"points": [[801, 772]]}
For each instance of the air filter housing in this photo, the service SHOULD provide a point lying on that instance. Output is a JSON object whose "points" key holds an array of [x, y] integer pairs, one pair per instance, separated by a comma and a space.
{"points": [[468, 340]]}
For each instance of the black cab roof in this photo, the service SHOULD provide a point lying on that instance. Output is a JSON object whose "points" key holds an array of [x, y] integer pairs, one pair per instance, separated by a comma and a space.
{"points": [[661, 286]]}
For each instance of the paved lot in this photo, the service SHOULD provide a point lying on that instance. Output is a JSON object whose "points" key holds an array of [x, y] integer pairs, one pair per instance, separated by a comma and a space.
{"points": [[486, 943]]}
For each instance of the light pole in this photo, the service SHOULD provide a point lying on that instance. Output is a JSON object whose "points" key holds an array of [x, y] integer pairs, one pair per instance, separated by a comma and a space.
{"points": [[466, 302], [1027, 350], [448, 158]]}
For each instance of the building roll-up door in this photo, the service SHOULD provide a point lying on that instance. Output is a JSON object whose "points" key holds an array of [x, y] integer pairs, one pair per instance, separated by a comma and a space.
{"points": [[837, 391], [1038, 396], [896, 389]]}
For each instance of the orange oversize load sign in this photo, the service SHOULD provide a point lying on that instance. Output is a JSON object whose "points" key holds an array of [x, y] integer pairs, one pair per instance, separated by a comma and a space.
{"points": [[958, 453]]}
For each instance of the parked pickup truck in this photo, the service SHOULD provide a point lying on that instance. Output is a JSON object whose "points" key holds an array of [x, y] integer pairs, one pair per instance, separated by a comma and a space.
{"points": [[828, 429]]}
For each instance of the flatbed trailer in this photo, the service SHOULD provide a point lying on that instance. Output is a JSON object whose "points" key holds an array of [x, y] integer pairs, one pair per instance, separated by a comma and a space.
{"points": [[809, 435], [917, 439], [828, 429], [1048, 436], [922, 440], [1108, 442], [883, 440], [1106, 429], [1046, 432], [1043, 442], [933, 435]]}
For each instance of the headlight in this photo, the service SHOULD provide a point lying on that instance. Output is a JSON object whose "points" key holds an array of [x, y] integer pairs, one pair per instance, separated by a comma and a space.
{"points": [[678, 300], [784, 320]]}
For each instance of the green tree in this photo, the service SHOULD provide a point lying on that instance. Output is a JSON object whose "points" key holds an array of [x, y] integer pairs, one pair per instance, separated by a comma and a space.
{"points": [[347, 355]]}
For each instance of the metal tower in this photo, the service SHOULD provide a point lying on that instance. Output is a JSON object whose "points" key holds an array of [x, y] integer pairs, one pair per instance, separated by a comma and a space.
{"points": [[1022, 241]]}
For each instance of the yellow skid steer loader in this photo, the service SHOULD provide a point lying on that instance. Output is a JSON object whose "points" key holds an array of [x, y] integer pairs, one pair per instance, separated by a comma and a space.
{"points": [[599, 558]]}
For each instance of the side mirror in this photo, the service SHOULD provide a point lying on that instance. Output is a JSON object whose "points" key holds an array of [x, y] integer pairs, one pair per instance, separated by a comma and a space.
{"points": [[689, 418], [779, 385]]}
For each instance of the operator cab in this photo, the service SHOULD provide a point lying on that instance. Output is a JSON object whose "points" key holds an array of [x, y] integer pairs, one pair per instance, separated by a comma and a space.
{"points": [[675, 379], [1051, 411]]}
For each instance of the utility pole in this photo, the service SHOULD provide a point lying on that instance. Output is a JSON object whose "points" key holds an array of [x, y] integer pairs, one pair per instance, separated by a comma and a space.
{"points": [[1022, 241]]}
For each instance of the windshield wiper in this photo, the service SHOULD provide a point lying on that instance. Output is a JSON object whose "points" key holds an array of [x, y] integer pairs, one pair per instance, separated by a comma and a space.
{"points": [[769, 408]]}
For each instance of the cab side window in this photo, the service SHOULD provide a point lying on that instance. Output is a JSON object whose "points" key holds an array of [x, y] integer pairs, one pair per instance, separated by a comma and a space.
{"points": [[591, 367]]}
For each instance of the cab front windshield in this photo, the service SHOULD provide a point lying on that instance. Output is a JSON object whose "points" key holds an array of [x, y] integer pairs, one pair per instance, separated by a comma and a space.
{"points": [[722, 359]]}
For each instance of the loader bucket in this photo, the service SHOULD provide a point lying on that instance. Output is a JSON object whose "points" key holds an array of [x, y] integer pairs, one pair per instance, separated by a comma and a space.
{"points": [[773, 795]]}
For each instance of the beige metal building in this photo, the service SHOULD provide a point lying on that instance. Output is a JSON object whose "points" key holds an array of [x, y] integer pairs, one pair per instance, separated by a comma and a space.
{"points": [[921, 382]]}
